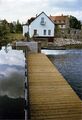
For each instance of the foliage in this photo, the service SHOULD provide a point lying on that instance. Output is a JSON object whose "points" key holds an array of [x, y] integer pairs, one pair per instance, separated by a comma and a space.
{"points": [[57, 31], [73, 46], [18, 27], [6, 29], [12, 28], [74, 23], [15, 36]]}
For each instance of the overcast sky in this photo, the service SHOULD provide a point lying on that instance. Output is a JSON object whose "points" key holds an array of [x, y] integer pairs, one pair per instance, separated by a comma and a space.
{"points": [[24, 9]]}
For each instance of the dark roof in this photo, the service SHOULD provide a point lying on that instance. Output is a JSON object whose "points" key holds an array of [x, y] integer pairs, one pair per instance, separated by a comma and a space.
{"points": [[33, 18]]}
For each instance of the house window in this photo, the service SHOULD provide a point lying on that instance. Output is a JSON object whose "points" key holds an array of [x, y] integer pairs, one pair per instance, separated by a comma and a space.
{"points": [[35, 32], [42, 19], [44, 32], [49, 32]]}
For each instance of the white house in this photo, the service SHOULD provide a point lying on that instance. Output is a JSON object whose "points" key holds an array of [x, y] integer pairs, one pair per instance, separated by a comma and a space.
{"points": [[41, 26]]}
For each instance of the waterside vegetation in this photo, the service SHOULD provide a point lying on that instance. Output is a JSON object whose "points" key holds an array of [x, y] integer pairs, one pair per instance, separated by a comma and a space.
{"points": [[10, 32]]}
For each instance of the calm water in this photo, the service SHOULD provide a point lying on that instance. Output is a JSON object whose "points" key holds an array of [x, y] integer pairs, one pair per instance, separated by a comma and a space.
{"points": [[12, 73], [69, 63]]}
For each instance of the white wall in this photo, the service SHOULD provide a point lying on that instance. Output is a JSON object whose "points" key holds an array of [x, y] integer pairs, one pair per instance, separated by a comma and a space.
{"points": [[40, 28], [25, 29]]}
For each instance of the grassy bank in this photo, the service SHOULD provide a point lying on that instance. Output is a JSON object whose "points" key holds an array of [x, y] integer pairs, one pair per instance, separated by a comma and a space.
{"points": [[15, 36], [11, 38], [73, 46]]}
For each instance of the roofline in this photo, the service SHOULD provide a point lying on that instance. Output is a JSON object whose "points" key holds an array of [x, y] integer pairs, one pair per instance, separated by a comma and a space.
{"points": [[46, 15], [24, 24]]}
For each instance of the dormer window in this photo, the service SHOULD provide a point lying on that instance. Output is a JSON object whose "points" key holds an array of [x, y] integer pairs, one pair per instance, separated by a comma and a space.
{"points": [[42, 21]]}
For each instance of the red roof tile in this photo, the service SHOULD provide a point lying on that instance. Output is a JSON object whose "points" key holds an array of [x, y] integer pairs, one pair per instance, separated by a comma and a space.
{"points": [[57, 18]]}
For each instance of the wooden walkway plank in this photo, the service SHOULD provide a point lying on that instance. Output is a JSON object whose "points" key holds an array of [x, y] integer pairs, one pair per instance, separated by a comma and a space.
{"points": [[50, 96]]}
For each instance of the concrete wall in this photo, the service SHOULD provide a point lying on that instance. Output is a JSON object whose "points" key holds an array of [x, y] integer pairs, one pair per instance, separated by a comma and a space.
{"points": [[31, 46]]}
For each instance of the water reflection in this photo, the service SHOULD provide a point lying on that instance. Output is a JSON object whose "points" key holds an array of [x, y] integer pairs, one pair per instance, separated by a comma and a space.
{"points": [[12, 57], [69, 63], [12, 73], [11, 81]]}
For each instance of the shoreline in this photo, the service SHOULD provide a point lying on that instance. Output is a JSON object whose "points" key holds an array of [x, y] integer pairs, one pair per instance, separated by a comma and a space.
{"points": [[64, 47]]}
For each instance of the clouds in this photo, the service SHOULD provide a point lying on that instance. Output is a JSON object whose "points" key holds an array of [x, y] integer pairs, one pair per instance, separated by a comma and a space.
{"points": [[12, 57], [12, 73], [23, 9], [70, 7], [66, 5], [12, 81]]}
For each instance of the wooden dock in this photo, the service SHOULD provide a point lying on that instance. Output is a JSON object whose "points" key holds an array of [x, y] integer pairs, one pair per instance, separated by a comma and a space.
{"points": [[50, 96]]}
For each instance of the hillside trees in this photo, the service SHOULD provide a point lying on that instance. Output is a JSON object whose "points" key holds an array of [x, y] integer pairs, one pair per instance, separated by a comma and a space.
{"points": [[4, 30], [18, 27], [12, 27], [74, 23], [7, 28]]}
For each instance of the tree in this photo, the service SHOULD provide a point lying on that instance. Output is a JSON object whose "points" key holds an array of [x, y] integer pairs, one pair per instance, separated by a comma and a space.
{"points": [[18, 27], [74, 23], [57, 31], [7, 28], [4, 30], [12, 27]]}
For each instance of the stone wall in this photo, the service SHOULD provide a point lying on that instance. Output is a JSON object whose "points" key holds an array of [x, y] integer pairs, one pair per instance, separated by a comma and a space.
{"points": [[63, 41], [69, 33]]}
